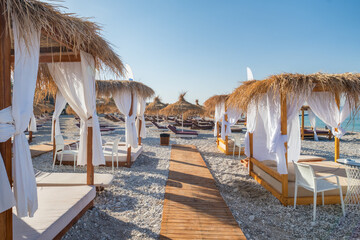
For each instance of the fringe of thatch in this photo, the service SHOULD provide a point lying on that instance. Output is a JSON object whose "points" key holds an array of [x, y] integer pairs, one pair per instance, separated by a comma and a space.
{"points": [[103, 106], [71, 31], [292, 85], [106, 88], [180, 107], [210, 103], [155, 106]]}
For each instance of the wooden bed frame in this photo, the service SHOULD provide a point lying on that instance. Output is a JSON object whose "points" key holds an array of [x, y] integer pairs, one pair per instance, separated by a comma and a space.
{"points": [[283, 178]]}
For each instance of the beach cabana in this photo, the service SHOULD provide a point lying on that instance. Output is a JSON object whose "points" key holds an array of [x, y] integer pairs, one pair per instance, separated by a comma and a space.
{"points": [[130, 99], [224, 118], [180, 107], [35, 40], [273, 140]]}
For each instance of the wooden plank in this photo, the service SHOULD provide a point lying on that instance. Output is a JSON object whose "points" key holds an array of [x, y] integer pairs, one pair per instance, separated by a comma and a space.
{"points": [[5, 101], [337, 140], [89, 165], [193, 206]]}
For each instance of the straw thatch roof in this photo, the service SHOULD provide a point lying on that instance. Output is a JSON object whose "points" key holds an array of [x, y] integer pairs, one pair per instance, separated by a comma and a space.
{"points": [[210, 103], [292, 85], [106, 88], [103, 106], [155, 106], [61, 33], [180, 107]]}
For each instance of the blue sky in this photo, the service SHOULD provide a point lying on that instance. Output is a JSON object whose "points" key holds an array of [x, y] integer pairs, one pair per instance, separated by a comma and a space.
{"points": [[204, 46]]}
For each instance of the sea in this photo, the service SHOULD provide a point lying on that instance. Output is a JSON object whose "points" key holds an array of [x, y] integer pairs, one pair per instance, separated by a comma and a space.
{"points": [[350, 124]]}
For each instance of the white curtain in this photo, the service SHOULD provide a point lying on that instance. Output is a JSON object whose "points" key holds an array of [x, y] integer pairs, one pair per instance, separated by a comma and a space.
{"points": [[123, 103], [250, 75], [250, 125], [324, 106], [140, 116], [218, 116], [7, 129], [128, 73], [76, 82], [312, 119], [32, 124], [60, 104], [233, 115], [25, 75]]}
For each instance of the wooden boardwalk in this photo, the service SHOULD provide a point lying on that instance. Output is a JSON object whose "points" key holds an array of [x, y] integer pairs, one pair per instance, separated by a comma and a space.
{"points": [[193, 206]]}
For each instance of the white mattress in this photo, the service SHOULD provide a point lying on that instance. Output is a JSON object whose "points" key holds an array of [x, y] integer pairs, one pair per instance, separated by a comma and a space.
{"points": [[45, 179], [58, 206]]}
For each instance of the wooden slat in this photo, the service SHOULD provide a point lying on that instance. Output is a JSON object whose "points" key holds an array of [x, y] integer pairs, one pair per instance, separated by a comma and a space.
{"points": [[193, 206]]}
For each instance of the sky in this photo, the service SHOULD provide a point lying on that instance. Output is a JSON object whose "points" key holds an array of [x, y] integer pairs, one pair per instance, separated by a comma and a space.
{"points": [[204, 46]]}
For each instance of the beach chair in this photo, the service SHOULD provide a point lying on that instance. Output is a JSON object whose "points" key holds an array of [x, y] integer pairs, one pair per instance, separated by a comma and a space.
{"points": [[182, 133], [60, 149], [114, 153], [238, 143], [162, 128], [305, 177]]}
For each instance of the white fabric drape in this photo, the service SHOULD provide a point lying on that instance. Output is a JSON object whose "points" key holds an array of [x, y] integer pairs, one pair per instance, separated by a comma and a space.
{"points": [[140, 116], [233, 115], [123, 103], [312, 119], [25, 75], [264, 121], [249, 73], [323, 104], [7, 129], [32, 124], [219, 115], [250, 125], [128, 73], [60, 104], [76, 82]]}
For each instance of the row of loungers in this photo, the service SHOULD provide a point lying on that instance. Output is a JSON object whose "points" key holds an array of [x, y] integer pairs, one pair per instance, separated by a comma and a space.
{"points": [[176, 132]]}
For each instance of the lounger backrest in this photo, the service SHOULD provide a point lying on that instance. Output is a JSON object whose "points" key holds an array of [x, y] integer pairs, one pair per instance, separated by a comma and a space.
{"points": [[172, 128], [59, 142], [304, 174], [115, 145]]}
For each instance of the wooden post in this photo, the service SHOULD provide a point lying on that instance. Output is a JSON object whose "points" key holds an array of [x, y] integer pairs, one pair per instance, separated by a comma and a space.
{"points": [[337, 140], [226, 137], [6, 231], [139, 137], [284, 132], [90, 166], [251, 146], [128, 155], [302, 124], [30, 136], [54, 144]]}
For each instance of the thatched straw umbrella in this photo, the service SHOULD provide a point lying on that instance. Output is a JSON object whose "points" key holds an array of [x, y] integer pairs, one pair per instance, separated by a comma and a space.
{"points": [[106, 88], [180, 107], [103, 106], [155, 106], [62, 38]]}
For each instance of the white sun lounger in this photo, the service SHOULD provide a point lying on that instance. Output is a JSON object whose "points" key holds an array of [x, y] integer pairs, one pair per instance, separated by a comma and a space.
{"points": [[46, 179], [59, 208]]}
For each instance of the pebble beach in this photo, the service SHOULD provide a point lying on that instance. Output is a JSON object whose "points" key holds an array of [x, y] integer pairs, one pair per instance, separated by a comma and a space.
{"points": [[132, 207]]}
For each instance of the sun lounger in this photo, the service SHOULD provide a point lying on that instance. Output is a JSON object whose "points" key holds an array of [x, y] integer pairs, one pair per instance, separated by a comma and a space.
{"points": [[310, 133], [159, 127], [52, 179], [185, 124], [202, 126], [182, 133], [59, 208]]}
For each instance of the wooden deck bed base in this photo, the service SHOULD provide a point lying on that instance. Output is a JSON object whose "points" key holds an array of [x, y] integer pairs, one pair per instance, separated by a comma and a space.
{"points": [[67, 228], [283, 180], [223, 146]]}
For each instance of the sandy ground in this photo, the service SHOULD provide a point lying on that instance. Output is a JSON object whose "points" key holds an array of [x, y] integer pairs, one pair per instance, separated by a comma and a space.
{"points": [[132, 207]]}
